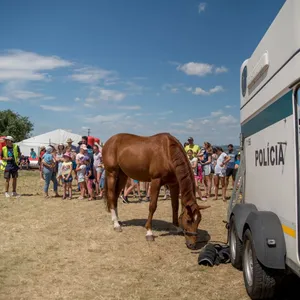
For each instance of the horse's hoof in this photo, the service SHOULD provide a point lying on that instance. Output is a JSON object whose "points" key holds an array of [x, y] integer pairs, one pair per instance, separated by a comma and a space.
{"points": [[149, 238], [118, 229]]}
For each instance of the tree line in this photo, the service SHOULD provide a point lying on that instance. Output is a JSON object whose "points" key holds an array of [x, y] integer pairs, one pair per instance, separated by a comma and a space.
{"points": [[15, 125]]}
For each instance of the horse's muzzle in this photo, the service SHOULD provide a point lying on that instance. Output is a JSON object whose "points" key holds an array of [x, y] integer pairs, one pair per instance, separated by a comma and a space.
{"points": [[190, 245]]}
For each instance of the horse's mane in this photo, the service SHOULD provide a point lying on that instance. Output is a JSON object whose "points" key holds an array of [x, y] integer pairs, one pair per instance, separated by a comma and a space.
{"points": [[183, 170]]}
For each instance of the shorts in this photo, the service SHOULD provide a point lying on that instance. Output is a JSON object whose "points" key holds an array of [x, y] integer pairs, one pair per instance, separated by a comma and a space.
{"points": [[69, 180], [81, 179], [10, 174], [229, 172], [99, 170], [206, 170], [220, 172]]}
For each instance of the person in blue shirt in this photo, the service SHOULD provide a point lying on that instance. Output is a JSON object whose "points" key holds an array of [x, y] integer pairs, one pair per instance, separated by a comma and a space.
{"points": [[230, 165], [32, 154], [49, 165], [236, 166]]}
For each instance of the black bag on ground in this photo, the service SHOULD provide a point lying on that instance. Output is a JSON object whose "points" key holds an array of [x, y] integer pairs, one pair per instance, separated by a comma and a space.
{"points": [[212, 255]]}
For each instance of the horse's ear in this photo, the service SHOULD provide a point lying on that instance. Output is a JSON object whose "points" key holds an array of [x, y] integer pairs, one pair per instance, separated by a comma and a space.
{"points": [[203, 207], [193, 207]]}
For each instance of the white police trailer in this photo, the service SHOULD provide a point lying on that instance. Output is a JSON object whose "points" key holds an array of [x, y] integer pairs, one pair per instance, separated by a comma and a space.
{"points": [[263, 214]]}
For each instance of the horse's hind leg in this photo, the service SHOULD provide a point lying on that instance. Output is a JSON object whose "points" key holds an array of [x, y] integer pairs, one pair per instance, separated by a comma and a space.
{"points": [[114, 182], [155, 188], [111, 180], [120, 184]]}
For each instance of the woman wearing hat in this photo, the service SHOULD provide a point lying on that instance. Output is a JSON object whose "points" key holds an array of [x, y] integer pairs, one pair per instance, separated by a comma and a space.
{"points": [[69, 143]]}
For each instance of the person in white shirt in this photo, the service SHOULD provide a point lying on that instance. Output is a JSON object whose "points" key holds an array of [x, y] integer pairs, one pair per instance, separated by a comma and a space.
{"points": [[81, 170], [82, 153], [98, 167], [197, 175], [220, 172]]}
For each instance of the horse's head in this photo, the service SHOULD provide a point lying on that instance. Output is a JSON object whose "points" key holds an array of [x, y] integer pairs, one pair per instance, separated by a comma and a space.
{"points": [[189, 221]]}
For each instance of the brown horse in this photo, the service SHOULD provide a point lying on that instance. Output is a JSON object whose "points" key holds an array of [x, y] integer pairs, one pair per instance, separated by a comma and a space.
{"points": [[160, 159]]}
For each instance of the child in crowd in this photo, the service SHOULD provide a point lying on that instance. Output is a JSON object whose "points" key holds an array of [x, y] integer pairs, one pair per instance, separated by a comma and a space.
{"points": [[80, 170], [200, 170], [66, 173], [89, 177], [49, 171], [194, 163], [220, 172], [102, 183], [74, 165]]}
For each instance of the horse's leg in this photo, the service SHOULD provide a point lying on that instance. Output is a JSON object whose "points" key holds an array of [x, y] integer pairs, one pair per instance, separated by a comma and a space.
{"points": [[174, 192], [112, 199], [120, 184], [155, 188]]}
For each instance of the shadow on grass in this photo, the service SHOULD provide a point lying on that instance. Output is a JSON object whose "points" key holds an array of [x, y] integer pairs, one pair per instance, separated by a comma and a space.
{"points": [[203, 236], [157, 225]]}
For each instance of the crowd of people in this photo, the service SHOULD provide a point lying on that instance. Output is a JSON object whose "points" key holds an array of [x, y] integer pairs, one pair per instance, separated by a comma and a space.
{"points": [[83, 164], [61, 166], [212, 166]]}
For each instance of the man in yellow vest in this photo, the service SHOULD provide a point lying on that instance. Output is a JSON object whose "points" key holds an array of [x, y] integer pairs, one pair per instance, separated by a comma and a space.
{"points": [[10, 159], [191, 146]]}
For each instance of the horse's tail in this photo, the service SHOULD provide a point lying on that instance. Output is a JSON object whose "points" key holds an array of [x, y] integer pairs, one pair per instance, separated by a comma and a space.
{"points": [[105, 192]]}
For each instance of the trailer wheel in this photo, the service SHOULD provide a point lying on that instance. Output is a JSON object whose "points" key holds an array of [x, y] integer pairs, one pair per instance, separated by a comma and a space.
{"points": [[236, 246], [260, 282]]}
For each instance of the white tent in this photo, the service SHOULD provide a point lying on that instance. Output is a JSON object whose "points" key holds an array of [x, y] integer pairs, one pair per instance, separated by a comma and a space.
{"points": [[54, 138]]}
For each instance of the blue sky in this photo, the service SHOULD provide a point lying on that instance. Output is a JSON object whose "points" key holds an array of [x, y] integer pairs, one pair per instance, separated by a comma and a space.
{"points": [[130, 66]]}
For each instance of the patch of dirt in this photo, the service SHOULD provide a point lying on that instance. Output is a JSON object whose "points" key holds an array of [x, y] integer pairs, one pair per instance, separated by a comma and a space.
{"points": [[67, 249]]}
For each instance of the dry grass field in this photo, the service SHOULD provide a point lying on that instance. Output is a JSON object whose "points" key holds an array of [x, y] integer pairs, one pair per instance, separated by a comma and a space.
{"points": [[67, 249]]}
